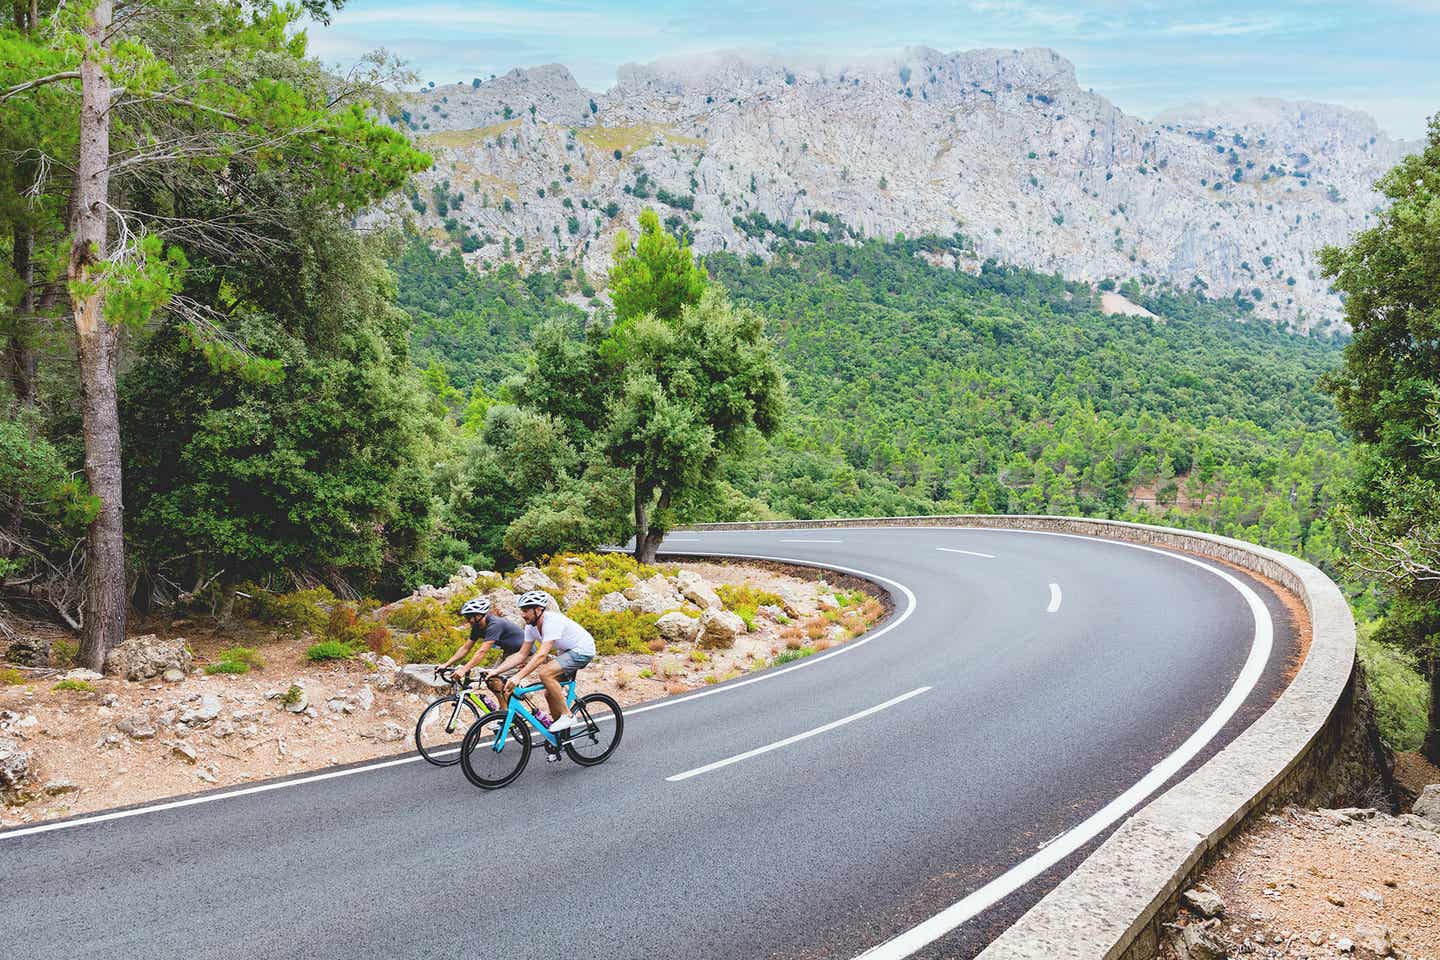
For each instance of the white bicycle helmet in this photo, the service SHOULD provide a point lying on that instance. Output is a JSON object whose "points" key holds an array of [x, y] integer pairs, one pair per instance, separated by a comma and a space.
{"points": [[534, 598], [479, 606]]}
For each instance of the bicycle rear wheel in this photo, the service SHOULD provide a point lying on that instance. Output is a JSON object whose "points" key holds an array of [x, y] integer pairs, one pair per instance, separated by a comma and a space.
{"points": [[489, 763], [442, 727], [599, 725]]}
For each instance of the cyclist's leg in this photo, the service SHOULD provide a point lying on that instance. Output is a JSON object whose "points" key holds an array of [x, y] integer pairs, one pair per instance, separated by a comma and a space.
{"points": [[496, 684], [550, 672], [567, 662]]}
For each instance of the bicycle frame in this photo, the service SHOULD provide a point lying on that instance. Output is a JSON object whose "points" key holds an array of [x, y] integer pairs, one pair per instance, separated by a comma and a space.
{"points": [[476, 698], [517, 706]]}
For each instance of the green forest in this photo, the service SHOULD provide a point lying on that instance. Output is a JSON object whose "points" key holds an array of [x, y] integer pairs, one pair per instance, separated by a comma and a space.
{"points": [[915, 389]]}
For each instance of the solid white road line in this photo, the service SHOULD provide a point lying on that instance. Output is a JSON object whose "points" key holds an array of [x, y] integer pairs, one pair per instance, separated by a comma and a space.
{"points": [[968, 553], [770, 674], [1022, 873], [824, 728], [1054, 598]]}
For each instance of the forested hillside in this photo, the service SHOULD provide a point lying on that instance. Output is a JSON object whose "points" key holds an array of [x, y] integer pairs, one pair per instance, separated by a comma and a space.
{"points": [[920, 389]]}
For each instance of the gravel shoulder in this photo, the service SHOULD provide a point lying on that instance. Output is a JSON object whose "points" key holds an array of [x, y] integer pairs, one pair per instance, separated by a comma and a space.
{"points": [[1301, 883]]}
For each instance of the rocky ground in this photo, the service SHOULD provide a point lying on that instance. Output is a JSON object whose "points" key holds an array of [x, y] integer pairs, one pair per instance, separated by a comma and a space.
{"points": [[157, 725], [1332, 884]]}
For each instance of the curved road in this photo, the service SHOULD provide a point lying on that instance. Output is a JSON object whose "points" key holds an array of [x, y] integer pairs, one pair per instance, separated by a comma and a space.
{"points": [[1024, 683]]}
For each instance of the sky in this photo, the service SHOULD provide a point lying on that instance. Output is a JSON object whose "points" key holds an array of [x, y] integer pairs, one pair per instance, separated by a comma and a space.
{"points": [[1382, 56]]}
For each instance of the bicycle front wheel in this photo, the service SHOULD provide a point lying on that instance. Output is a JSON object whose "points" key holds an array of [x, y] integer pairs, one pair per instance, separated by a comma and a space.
{"points": [[442, 727], [599, 724], [488, 762]]}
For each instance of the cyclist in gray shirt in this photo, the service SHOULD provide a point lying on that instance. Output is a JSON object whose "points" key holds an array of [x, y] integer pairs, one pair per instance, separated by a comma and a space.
{"points": [[490, 630]]}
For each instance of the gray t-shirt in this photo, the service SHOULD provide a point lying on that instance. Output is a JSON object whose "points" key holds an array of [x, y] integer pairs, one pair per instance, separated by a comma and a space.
{"points": [[506, 635]]}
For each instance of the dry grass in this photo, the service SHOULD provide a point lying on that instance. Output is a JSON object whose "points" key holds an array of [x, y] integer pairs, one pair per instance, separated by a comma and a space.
{"points": [[629, 139], [455, 139]]}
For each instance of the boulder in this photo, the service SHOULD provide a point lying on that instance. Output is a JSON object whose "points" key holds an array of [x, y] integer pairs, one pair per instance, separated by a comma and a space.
{"points": [[173, 675], [827, 601], [208, 709], [419, 678], [185, 752], [365, 699], [693, 587], [56, 788], [677, 628], [614, 603], [1375, 938], [503, 602], [1428, 805], [391, 732], [772, 612], [146, 656], [29, 652], [719, 628], [1202, 941], [1205, 902], [80, 673], [575, 593], [14, 763], [655, 595], [137, 727], [533, 578], [791, 599]]}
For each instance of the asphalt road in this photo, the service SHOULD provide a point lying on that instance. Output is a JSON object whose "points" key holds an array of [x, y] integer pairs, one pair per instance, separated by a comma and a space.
{"points": [[1030, 707]]}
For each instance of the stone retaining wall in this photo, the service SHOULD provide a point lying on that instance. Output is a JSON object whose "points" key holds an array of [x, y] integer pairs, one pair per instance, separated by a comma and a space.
{"points": [[1111, 906]]}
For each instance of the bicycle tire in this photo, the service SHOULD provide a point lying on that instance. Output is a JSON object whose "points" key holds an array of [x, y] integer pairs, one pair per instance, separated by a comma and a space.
{"points": [[594, 725], [441, 711], [480, 736]]}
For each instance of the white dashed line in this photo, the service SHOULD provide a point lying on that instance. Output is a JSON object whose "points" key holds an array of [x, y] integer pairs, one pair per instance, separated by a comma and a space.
{"points": [[1054, 598], [824, 728], [968, 553]]}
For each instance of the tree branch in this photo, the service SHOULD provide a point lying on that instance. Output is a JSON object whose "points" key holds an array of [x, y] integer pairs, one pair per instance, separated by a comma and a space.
{"points": [[39, 82]]}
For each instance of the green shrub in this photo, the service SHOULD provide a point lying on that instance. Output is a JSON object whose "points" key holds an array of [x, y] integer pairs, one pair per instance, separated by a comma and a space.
{"points": [[746, 594], [74, 686], [62, 652], [790, 656], [647, 673], [419, 615], [292, 696], [621, 631], [432, 645], [246, 655], [1401, 694], [227, 666], [295, 613], [328, 650], [10, 677]]}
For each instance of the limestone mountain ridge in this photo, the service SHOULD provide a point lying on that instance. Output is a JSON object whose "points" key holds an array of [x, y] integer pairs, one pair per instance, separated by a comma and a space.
{"points": [[1001, 148]]}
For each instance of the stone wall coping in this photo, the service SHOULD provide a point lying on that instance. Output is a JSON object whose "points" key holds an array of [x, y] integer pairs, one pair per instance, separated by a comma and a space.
{"points": [[1102, 908]]}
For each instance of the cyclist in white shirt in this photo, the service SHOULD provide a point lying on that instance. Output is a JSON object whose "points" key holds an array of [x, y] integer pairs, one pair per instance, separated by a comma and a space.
{"points": [[548, 629]]}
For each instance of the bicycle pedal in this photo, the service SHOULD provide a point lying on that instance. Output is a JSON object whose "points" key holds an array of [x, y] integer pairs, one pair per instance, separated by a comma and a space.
{"points": [[552, 757]]}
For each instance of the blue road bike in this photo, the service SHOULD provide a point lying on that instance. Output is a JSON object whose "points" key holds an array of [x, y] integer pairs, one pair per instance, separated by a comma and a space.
{"points": [[497, 746]]}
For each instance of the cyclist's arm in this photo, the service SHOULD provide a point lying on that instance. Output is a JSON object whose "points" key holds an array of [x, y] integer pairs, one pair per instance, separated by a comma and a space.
{"points": [[458, 654], [535, 660], [514, 660], [478, 655]]}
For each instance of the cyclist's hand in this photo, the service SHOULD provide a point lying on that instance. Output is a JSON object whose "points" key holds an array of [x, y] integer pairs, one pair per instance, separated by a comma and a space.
{"points": [[439, 670]]}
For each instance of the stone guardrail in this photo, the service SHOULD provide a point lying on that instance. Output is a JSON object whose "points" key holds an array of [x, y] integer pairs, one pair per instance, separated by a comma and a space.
{"points": [[1111, 906]]}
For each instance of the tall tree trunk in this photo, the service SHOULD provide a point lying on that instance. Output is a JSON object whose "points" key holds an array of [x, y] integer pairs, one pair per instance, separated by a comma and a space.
{"points": [[20, 348], [647, 533], [98, 344], [644, 548], [1431, 747]]}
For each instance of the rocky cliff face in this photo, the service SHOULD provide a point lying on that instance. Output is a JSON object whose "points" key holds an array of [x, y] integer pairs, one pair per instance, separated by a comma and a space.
{"points": [[1000, 146]]}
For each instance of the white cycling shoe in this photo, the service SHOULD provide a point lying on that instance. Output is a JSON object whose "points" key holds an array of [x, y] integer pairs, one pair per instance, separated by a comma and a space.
{"points": [[562, 723]]}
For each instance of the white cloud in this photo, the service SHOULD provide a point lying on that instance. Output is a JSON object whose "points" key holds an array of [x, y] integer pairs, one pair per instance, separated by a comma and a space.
{"points": [[1235, 27]]}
